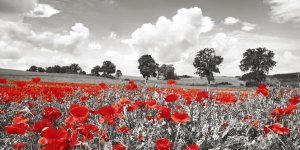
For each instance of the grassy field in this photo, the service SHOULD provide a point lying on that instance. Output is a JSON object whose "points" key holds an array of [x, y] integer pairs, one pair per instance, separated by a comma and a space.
{"points": [[194, 82]]}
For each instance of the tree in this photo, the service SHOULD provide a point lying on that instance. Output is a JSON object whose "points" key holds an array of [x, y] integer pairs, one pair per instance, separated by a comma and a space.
{"points": [[118, 74], [147, 66], [167, 71], [108, 68], [74, 69], [95, 71], [56, 69], [259, 62], [206, 62], [161, 70], [40, 69], [33, 69], [170, 72]]}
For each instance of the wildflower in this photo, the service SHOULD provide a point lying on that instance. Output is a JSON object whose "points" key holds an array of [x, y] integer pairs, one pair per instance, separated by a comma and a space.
{"points": [[262, 89], [51, 113], [171, 82], [79, 112], [180, 117], [123, 129], [163, 144], [171, 98], [119, 147], [36, 80], [16, 128], [19, 145], [192, 147]]}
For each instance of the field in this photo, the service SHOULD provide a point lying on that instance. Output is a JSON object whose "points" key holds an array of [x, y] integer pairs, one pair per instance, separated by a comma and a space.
{"points": [[86, 112]]}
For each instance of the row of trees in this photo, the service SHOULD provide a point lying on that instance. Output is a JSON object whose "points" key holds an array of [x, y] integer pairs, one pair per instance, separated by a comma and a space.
{"points": [[107, 68], [71, 69], [256, 64]]}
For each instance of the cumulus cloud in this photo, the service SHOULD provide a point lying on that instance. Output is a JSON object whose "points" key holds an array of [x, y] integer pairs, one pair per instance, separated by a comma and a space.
{"points": [[18, 37], [43, 11], [231, 20], [248, 26], [285, 10], [168, 38]]}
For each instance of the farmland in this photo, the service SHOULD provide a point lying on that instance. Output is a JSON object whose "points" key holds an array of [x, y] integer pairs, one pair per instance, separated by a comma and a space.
{"points": [[129, 115]]}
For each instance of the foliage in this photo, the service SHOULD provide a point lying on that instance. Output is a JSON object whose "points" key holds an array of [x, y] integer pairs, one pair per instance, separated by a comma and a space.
{"points": [[72, 69], [259, 62], [33, 69], [167, 71], [118, 74], [41, 69], [147, 66], [108, 67], [95, 71], [206, 62]]}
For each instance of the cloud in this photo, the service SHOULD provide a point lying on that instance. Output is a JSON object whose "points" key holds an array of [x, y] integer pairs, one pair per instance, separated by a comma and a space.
{"points": [[231, 20], [43, 11], [168, 39], [248, 26], [18, 37], [285, 10], [17, 6]]}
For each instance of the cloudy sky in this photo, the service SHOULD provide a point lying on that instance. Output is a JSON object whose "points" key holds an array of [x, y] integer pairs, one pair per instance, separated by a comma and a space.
{"points": [[49, 32]]}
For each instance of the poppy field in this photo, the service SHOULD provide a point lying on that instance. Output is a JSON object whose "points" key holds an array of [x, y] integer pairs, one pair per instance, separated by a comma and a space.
{"points": [[57, 116]]}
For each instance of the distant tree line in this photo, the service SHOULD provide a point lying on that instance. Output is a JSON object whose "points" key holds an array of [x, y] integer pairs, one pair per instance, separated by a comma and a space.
{"points": [[256, 64]]}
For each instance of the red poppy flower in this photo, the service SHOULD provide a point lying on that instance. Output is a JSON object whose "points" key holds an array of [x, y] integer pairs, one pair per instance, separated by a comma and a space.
{"points": [[51, 113], [107, 110], [119, 147], [171, 82], [74, 139], [151, 103], [83, 99], [52, 135], [294, 100], [103, 85], [16, 128], [192, 147], [36, 80], [19, 145], [20, 119], [131, 85], [40, 125], [163, 144], [180, 117], [20, 83], [3, 81], [201, 96], [226, 98], [163, 112], [124, 101], [79, 112], [262, 89], [123, 129], [171, 98], [276, 128], [103, 135]]}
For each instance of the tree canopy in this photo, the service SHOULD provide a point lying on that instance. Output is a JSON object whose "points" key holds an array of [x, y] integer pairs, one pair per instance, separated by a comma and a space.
{"points": [[147, 66], [108, 67], [206, 62], [258, 62]]}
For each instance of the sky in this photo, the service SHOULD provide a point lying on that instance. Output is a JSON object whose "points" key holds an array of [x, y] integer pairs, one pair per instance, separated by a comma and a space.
{"points": [[88, 32]]}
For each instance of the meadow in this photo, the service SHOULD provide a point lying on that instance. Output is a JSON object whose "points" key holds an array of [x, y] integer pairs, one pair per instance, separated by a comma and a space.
{"points": [[48, 115]]}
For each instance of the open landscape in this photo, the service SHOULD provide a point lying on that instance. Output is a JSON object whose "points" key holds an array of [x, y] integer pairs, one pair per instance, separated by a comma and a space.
{"points": [[149, 75]]}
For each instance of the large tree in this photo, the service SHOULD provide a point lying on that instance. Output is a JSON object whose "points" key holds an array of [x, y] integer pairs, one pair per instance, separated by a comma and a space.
{"points": [[259, 62], [148, 67], [206, 62], [167, 71], [74, 69], [95, 71], [108, 67]]}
